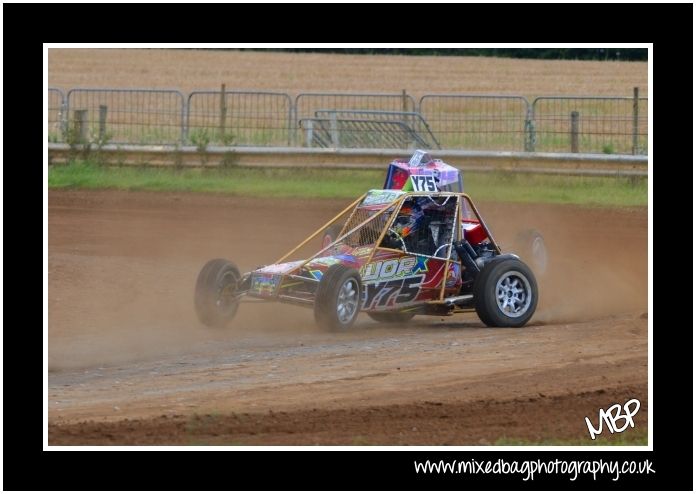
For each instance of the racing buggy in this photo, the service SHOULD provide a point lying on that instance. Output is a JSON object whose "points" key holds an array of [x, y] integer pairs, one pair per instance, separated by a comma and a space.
{"points": [[396, 254]]}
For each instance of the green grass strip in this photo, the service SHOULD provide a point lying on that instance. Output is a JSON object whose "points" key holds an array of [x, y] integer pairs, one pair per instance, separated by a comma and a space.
{"points": [[344, 183]]}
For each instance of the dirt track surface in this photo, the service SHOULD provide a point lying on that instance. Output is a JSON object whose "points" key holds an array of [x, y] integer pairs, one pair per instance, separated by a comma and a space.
{"points": [[129, 363]]}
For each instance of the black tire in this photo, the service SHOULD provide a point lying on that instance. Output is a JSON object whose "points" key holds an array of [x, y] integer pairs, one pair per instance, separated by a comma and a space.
{"points": [[515, 275], [215, 287], [391, 317], [330, 234], [530, 246], [338, 298]]}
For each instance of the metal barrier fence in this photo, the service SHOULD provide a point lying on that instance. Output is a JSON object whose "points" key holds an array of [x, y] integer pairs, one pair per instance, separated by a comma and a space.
{"points": [[591, 124], [239, 118], [56, 112], [126, 116], [368, 128], [463, 121], [609, 125], [306, 104], [360, 133]]}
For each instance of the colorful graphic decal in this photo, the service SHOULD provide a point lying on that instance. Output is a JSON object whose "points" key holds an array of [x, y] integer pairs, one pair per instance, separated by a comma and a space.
{"points": [[394, 268], [391, 293], [380, 197], [264, 284], [453, 275], [326, 261], [331, 260], [393, 282], [280, 268], [401, 175], [362, 251], [317, 266], [403, 281]]}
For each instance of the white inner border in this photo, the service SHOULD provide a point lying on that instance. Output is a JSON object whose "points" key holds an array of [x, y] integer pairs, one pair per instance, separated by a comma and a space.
{"points": [[651, 404]]}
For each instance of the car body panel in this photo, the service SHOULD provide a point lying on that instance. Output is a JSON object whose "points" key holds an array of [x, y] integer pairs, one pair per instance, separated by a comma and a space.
{"points": [[422, 173]]}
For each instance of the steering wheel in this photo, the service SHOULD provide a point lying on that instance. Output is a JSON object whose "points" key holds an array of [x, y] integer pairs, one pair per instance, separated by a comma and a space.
{"points": [[393, 234], [438, 249]]}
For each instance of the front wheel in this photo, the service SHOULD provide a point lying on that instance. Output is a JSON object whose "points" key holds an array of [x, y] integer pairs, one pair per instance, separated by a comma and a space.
{"points": [[505, 293], [215, 298], [338, 298]]}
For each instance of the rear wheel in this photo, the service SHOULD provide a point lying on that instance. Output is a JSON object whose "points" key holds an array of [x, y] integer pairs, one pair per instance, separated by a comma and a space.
{"points": [[330, 235], [338, 298], [505, 293], [391, 317], [215, 300]]}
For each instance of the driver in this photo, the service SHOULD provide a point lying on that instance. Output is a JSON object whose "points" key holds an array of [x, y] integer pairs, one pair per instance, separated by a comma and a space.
{"points": [[412, 225]]}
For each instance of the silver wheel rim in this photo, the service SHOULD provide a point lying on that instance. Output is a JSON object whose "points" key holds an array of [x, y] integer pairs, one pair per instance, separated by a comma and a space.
{"points": [[347, 304], [513, 293], [539, 254], [225, 300]]}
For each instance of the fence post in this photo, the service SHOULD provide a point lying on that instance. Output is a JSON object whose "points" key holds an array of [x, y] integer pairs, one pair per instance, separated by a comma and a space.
{"points": [[574, 120], [334, 130], [102, 122], [310, 132], [296, 139], [223, 111], [635, 120], [80, 124], [291, 137], [530, 133], [404, 107], [64, 120], [184, 118]]}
